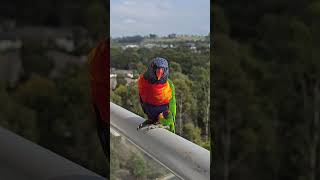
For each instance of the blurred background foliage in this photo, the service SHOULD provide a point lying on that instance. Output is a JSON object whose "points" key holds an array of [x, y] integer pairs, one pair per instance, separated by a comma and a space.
{"points": [[91, 14], [49, 103], [265, 79]]}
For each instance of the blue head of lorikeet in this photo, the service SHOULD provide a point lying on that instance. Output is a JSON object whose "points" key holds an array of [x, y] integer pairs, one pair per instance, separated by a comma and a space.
{"points": [[158, 71]]}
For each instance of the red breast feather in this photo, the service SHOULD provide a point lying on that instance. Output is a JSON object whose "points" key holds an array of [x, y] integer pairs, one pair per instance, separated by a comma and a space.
{"points": [[155, 94]]}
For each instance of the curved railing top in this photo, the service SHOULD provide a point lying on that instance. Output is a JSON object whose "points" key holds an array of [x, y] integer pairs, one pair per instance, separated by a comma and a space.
{"points": [[22, 159], [182, 157]]}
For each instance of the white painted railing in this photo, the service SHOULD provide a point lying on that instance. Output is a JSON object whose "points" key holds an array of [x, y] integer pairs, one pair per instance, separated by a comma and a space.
{"points": [[22, 159], [183, 158]]}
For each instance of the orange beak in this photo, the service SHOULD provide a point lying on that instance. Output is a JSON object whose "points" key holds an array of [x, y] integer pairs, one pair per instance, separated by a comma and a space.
{"points": [[159, 73]]}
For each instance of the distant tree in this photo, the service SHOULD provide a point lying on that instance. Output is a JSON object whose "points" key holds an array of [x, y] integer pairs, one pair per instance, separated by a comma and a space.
{"points": [[185, 102], [116, 58], [141, 68], [192, 133], [114, 155], [130, 56], [17, 117], [115, 98], [236, 107], [174, 67], [121, 80], [201, 91], [122, 92], [131, 39], [40, 94], [134, 99], [137, 165], [152, 36], [144, 54]]}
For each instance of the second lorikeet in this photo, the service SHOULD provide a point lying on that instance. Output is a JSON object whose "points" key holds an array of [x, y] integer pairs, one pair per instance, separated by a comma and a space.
{"points": [[157, 95]]}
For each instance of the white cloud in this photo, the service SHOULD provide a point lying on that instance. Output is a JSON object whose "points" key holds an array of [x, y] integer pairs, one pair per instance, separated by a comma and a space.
{"points": [[146, 11], [129, 17], [129, 3], [129, 21]]}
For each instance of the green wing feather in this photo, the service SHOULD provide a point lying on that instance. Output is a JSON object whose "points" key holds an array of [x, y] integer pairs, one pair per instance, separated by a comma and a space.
{"points": [[169, 121], [172, 103], [171, 118]]}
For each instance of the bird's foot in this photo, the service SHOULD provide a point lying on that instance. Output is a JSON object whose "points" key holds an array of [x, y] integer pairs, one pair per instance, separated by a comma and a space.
{"points": [[145, 123], [151, 124], [157, 125]]}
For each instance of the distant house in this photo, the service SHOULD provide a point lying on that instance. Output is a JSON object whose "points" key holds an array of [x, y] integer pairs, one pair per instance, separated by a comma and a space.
{"points": [[128, 76], [191, 46], [130, 46], [130, 80], [126, 73], [113, 82], [149, 45], [113, 78], [164, 45], [113, 75]]}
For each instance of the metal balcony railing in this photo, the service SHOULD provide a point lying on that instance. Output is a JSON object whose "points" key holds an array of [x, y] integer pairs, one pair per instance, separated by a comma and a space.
{"points": [[22, 159], [183, 158]]}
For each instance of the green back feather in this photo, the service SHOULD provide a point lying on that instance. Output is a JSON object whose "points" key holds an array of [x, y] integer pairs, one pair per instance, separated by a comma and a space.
{"points": [[172, 103]]}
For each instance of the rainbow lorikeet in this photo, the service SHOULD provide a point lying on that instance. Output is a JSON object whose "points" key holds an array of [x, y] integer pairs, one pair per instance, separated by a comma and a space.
{"points": [[99, 83], [157, 95]]}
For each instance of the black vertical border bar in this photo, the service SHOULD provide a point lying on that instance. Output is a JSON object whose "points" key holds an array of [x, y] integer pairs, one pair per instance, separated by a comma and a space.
{"points": [[107, 38], [211, 122]]}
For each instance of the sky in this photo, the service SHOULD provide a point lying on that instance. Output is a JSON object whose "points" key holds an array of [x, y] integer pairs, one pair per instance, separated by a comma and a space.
{"points": [[161, 17]]}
